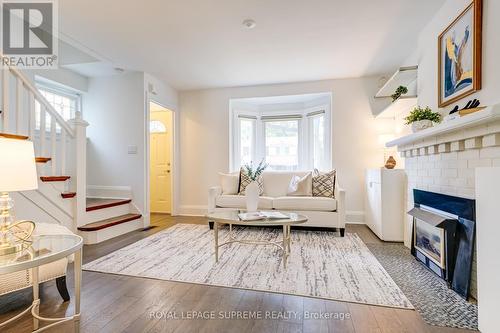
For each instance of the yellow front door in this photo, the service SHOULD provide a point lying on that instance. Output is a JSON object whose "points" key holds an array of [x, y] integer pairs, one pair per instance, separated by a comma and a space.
{"points": [[161, 167]]}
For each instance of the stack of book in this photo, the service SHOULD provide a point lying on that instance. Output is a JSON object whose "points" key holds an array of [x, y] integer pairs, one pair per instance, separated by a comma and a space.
{"points": [[254, 216]]}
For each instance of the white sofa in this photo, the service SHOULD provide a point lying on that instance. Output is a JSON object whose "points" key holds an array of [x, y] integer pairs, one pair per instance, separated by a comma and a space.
{"points": [[321, 212]]}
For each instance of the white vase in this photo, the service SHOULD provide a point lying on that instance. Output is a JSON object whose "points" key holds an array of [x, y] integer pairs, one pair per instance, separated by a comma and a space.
{"points": [[252, 196], [421, 125]]}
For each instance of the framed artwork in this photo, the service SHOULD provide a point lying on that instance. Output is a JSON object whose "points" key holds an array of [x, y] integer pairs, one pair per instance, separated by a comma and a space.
{"points": [[430, 241], [459, 56]]}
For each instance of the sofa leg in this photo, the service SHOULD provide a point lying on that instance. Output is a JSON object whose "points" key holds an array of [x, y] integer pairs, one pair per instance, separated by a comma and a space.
{"points": [[62, 288], [342, 232], [211, 225]]}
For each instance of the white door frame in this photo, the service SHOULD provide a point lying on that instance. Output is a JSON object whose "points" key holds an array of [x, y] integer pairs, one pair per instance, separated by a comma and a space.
{"points": [[174, 155]]}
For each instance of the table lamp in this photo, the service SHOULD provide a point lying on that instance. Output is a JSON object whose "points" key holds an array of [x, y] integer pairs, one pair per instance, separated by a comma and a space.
{"points": [[17, 173]]}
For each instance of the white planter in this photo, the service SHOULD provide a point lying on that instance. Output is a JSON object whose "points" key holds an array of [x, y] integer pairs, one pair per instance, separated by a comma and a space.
{"points": [[252, 196], [421, 125]]}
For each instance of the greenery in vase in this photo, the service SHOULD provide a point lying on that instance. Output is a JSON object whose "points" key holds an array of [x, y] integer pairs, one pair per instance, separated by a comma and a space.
{"points": [[400, 91], [423, 114], [252, 173]]}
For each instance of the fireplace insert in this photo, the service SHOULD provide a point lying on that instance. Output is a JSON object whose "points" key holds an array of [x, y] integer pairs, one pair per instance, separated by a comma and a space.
{"points": [[443, 237]]}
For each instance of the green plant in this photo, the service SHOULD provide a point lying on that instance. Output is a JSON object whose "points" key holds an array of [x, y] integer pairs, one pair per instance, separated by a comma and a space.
{"points": [[423, 114], [400, 91], [254, 174]]}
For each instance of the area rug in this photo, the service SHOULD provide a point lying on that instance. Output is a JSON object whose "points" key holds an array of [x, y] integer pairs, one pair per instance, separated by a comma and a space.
{"points": [[437, 304], [320, 265]]}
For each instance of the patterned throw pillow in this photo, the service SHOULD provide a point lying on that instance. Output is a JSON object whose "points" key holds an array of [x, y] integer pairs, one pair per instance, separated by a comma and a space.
{"points": [[323, 184], [245, 180]]}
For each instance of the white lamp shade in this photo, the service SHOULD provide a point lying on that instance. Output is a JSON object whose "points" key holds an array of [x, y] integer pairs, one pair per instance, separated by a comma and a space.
{"points": [[17, 166]]}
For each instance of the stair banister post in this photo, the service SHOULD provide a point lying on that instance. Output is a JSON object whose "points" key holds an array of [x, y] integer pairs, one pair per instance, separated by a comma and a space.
{"points": [[79, 184]]}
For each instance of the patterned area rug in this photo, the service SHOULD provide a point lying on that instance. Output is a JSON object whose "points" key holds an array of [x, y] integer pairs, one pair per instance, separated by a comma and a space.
{"points": [[320, 265], [430, 295]]}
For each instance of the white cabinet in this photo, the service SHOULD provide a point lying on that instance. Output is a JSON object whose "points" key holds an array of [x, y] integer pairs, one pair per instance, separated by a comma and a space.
{"points": [[488, 247], [385, 203]]}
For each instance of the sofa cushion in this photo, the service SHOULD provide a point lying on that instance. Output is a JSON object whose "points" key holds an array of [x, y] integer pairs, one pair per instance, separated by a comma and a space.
{"points": [[323, 184], [300, 186], [245, 180], [239, 201], [305, 203], [229, 182], [276, 182]]}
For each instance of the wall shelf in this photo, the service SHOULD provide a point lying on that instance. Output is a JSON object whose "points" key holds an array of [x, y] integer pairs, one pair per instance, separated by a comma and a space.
{"points": [[487, 115], [401, 105], [404, 76]]}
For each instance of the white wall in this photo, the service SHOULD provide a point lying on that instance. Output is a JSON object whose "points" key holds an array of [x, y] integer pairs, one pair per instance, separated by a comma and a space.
{"points": [[204, 135], [426, 54], [116, 109]]}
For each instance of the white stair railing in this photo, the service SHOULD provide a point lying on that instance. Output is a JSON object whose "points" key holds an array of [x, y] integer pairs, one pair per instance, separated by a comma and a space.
{"points": [[50, 135]]}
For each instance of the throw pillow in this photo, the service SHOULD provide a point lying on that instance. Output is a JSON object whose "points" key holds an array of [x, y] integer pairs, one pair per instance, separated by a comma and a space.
{"points": [[229, 182], [323, 184], [300, 186], [245, 180]]}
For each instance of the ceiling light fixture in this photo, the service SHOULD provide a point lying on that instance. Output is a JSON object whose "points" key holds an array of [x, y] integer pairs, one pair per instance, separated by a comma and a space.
{"points": [[249, 24]]}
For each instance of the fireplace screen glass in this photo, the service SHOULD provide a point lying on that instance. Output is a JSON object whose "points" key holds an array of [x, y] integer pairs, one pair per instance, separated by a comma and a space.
{"points": [[430, 241]]}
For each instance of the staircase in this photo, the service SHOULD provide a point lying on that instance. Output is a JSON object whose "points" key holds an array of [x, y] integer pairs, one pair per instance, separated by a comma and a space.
{"points": [[60, 150]]}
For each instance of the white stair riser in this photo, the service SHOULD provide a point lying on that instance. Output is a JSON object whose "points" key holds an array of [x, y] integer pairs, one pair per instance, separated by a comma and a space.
{"points": [[43, 204], [107, 213], [53, 194], [57, 186], [94, 237]]}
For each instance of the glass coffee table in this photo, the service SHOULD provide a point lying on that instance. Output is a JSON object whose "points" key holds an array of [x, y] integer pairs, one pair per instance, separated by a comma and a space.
{"points": [[231, 218], [43, 250]]}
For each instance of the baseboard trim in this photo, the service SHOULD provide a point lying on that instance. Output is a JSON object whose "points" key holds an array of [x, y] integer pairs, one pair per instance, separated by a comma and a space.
{"points": [[355, 217], [109, 192], [192, 210]]}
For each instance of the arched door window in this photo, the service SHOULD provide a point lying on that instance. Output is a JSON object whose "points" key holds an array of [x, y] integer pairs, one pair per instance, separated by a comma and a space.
{"points": [[156, 126]]}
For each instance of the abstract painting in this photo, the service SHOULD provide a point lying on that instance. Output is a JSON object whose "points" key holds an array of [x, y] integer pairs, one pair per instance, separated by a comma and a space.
{"points": [[460, 56]]}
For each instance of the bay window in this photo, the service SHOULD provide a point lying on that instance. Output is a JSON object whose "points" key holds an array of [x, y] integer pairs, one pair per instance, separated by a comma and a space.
{"points": [[287, 141]]}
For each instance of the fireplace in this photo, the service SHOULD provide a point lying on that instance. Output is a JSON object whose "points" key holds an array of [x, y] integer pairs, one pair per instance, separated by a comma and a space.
{"points": [[443, 237]]}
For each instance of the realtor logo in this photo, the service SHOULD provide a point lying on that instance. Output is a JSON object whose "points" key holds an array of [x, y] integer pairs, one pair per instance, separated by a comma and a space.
{"points": [[29, 33]]}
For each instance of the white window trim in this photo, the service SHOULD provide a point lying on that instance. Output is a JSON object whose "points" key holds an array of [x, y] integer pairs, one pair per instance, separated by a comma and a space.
{"points": [[58, 89], [305, 146]]}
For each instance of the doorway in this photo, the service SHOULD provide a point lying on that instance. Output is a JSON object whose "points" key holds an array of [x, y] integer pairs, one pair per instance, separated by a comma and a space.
{"points": [[161, 139]]}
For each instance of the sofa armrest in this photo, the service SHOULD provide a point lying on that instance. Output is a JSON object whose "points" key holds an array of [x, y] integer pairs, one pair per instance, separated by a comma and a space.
{"points": [[213, 193], [340, 196]]}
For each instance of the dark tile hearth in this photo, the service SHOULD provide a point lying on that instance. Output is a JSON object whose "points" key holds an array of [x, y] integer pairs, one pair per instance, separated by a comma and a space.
{"points": [[437, 304]]}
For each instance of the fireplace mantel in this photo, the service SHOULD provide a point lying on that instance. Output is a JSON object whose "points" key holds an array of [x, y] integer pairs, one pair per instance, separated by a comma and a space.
{"points": [[467, 127]]}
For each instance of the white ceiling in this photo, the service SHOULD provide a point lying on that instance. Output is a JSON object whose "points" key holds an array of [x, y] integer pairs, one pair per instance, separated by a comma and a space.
{"points": [[202, 44]]}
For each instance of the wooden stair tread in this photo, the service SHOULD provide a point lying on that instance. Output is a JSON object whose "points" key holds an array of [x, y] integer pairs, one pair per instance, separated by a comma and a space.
{"points": [[67, 195], [103, 224], [14, 136], [54, 178], [101, 203], [42, 159]]}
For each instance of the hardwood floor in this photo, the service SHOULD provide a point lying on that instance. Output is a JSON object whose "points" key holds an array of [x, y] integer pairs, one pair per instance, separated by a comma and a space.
{"points": [[114, 303]]}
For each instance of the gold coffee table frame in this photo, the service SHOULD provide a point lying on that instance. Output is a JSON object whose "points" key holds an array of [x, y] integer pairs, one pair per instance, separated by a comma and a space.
{"points": [[231, 218]]}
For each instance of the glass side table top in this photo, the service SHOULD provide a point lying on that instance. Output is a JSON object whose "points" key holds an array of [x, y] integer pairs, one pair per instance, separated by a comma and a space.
{"points": [[43, 250], [231, 217]]}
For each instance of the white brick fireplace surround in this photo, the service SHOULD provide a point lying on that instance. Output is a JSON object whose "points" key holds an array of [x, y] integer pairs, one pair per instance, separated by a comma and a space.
{"points": [[443, 159]]}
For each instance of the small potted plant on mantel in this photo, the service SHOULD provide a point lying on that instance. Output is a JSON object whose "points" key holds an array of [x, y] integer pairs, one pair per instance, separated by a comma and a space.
{"points": [[421, 119]]}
